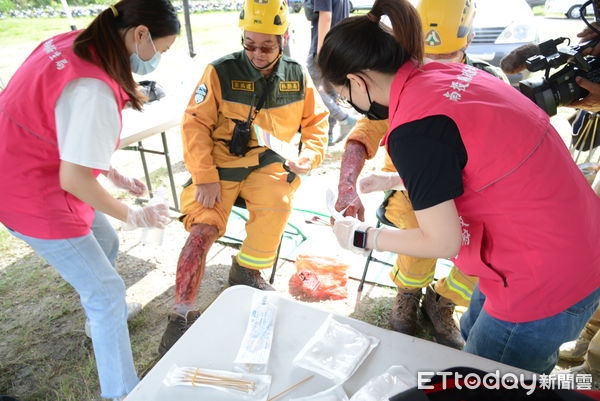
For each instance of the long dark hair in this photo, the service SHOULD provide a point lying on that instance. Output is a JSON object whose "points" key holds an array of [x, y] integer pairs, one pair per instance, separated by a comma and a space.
{"points": [[361, 43], [101, 42]]}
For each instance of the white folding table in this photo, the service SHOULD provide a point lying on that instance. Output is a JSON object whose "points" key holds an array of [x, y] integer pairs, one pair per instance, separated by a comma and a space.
{"points": [[156, 117], [214, 339]]}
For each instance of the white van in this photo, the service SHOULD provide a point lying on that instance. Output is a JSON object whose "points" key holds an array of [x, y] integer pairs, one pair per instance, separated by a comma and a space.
{"points": [[500, 27], [360, 5], [570, 8]]}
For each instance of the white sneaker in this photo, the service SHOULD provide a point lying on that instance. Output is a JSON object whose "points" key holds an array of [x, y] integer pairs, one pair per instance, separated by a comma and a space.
{"points": [[133, 309]]}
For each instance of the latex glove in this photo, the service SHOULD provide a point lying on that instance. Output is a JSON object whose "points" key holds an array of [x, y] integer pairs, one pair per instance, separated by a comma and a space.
{"points": [[208, 194], [156, 215], [133, 185], [349, 203], [344, 232], [301, 166], [379, 181]]}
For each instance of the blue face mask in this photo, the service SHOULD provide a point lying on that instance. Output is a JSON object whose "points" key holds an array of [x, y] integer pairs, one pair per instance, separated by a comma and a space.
{"points": [[143, 67]]}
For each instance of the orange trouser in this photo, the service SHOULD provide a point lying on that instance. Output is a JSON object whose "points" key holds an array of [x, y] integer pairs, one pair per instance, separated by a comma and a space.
{"points": [[268, 198], [410, 272]]}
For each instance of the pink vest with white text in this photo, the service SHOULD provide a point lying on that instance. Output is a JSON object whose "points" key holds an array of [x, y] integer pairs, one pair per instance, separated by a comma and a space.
{"points": [[31, 199], [530, 220]]}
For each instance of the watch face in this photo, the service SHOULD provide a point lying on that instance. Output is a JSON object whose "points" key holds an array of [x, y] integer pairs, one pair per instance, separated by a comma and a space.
{"points": [[360, 239]]}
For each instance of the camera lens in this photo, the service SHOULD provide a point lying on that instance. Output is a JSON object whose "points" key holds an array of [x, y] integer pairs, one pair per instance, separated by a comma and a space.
{"points": [[541, 93], [568, 92], [559, 89]]}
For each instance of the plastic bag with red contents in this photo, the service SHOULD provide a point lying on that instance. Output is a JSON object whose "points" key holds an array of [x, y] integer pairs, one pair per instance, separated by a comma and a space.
{"points": [[319, 278]]}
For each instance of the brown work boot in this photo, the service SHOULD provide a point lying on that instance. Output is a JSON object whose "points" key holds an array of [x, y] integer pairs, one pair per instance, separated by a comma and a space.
{"points": [[574, 351], [440, 312], [175, 328], [239, 275], [586, 369], [403, 317]]}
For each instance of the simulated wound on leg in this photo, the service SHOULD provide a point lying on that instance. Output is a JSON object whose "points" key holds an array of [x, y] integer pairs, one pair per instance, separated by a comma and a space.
{"points": [[192, 261]]}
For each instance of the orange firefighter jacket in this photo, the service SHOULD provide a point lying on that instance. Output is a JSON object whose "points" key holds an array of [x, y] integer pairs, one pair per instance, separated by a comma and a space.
{"points": [[225, 92]]}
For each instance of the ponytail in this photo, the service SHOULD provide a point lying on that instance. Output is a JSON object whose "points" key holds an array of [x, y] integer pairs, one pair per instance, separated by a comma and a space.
{"points": [[406, 24], [101, 43], [366, 43]]}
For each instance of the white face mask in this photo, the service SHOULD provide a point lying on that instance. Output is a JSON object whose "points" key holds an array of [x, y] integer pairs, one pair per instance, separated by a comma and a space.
{"points": [[143, 67]]}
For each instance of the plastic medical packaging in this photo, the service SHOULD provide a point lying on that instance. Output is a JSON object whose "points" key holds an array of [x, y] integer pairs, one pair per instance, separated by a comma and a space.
{"points": [[253, 355], [380, 388], [335, 393], [241, 386], [153, 235], [335, 351]]}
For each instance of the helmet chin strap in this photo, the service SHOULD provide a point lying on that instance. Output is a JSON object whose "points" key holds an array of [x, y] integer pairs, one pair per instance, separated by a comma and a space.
{"points": [[266, 67]]}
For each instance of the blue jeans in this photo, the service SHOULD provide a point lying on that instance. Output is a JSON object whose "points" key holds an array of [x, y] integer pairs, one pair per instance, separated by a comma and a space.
{"points": [[87, 263], [531, 345], [327, 92]]}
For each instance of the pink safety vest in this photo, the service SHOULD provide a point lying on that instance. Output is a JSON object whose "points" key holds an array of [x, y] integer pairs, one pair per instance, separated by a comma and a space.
{"points": [[31, 199], [530, 221]]}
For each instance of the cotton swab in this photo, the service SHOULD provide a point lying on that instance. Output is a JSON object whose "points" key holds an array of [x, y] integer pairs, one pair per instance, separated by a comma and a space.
{"points": [[196, 377]]}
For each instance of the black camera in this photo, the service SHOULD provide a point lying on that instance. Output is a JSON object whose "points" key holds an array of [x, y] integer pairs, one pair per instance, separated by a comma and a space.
{"points": [[560, 89], [238, 145]]}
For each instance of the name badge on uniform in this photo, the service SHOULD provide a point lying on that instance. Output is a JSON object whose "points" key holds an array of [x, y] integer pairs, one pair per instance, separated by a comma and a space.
{"points": [[247, 86], [289, 86]]}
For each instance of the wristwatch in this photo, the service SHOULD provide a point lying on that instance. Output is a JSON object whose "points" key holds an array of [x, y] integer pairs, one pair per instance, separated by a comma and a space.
{"points": [[360, 239]]}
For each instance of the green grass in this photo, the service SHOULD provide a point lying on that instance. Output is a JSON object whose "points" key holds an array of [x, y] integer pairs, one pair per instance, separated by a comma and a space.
{"points": [[538, 10], [14, 31], [215, 34], [38, 305], [45, 353], [375, 310]]}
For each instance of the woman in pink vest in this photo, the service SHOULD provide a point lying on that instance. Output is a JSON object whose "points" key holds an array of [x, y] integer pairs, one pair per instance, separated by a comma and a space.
{"points": [[60, 122], [492, 184]]}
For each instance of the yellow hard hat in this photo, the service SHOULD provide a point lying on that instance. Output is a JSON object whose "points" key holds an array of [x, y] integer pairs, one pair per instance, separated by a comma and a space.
{"points": [[265, 16], [447, 24]]}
